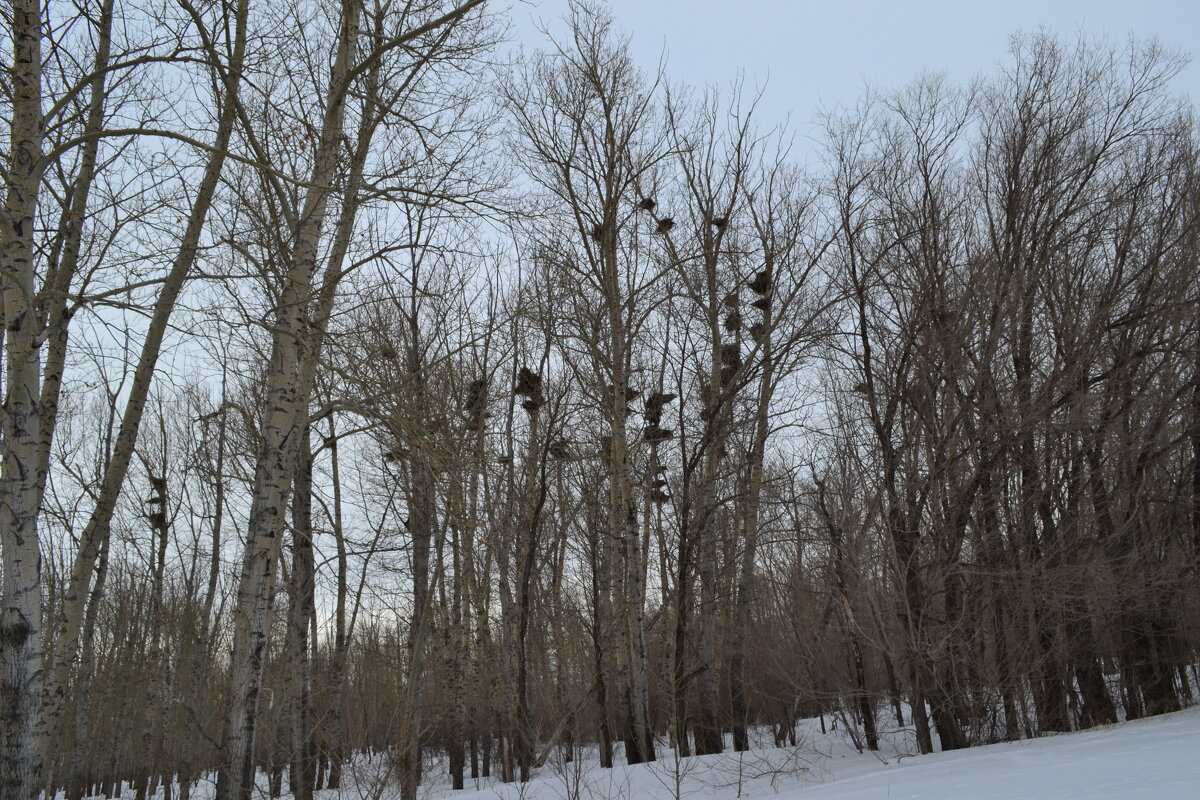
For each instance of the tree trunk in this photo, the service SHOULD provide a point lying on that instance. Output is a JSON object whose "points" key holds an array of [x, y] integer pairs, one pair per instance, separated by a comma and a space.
{"points": [[97, 530], [294, 347], [21, 427], [301, 611]]}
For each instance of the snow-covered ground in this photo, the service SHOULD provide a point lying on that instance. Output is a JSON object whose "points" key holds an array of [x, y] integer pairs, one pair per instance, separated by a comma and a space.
{"points": [[1152, 758], [1155, 758]]}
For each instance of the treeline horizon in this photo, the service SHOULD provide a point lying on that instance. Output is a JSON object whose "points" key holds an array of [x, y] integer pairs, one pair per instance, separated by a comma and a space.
{"points": [[370, 389]]}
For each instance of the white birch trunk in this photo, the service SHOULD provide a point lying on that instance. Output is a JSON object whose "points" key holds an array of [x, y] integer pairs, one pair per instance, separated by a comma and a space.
{"points": [[285, 417], [23, 448]]}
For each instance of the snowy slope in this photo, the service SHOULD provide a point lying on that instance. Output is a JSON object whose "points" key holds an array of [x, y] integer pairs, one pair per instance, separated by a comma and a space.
{"points": [[1153, 758]]}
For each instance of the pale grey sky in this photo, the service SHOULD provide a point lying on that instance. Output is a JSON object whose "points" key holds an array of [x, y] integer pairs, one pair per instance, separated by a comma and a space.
{"points": [[814, 53]]}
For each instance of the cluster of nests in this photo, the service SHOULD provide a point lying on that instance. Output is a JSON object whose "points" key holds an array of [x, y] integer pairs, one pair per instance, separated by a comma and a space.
{"points": [[760, 285], [662, 225], [731, 357], [156, 503], [475, 404], [529, 386], [655, 435], [658, 484], [529, 383]]}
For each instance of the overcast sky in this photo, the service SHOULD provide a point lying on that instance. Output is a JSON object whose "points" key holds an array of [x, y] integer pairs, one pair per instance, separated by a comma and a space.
{"points": [[822, 53]]}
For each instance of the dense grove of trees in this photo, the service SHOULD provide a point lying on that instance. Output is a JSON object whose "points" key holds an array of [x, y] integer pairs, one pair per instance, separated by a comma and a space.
{"points": [[366, 392]]}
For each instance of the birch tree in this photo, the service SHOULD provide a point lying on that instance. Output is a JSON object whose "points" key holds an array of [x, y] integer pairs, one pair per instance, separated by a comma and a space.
{"points": [[364, 48]]}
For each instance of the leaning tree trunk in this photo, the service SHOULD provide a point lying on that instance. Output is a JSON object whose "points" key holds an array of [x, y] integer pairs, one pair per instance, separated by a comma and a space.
{"points": [[95, 534], [294, 346], [83, 682]]}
